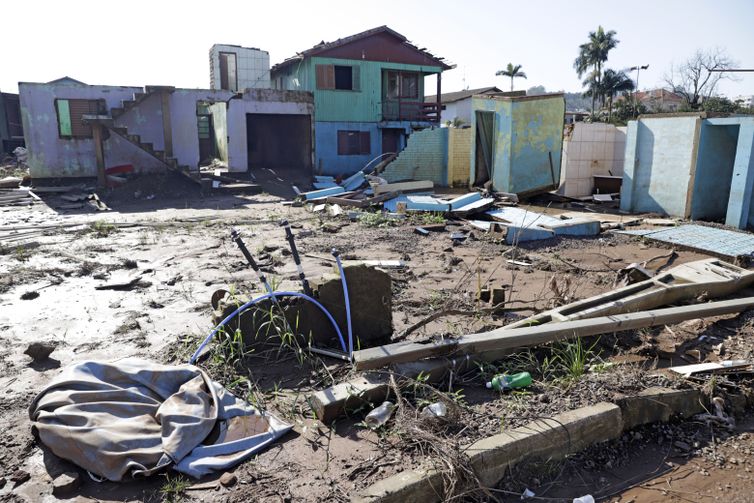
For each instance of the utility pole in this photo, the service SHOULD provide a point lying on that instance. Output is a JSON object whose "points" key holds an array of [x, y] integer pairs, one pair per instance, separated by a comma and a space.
{"points": [[638, 68]]}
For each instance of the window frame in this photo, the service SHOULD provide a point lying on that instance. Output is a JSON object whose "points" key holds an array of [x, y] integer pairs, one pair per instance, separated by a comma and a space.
{"points": [[362, 145], [78, 131]]}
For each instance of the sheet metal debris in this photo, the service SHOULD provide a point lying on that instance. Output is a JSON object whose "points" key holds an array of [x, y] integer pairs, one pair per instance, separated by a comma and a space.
{"points": [[720, 242]]}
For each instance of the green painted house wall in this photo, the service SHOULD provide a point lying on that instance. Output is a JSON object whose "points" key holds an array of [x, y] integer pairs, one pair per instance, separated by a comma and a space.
{"points": [[332, 105], [528, 132]]}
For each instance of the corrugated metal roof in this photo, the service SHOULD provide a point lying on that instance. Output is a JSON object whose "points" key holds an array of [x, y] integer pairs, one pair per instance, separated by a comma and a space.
{"points": [[461, 95]]}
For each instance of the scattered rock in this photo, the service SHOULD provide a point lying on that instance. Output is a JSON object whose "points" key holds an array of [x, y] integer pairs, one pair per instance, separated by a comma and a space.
{"points": [[2, 482], [65, 483], [681, 445], [29, 295], [40, 351], [19, 477], [130, 264], [228, 479]]}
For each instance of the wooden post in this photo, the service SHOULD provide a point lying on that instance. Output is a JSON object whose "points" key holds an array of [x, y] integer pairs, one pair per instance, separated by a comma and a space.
{"points": [[439, 96], [167, 129], [99, 151]]}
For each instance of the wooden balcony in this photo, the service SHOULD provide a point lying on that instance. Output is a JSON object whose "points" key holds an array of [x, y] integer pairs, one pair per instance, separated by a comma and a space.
{"points": [[402, 110]]}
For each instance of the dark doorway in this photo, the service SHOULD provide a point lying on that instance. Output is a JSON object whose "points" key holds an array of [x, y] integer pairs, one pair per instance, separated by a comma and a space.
{"points": [[714, 172], [279, 141], [206, 134], [485, 144], [228, 71], [391, 140]]}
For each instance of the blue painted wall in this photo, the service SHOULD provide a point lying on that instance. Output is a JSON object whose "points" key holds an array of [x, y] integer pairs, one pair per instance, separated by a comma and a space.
{"points": [[327, 160], [660, 157]]}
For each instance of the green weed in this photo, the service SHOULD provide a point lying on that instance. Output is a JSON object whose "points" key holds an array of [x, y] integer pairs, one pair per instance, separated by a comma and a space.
{"points": [[174, 488], [102, 229]]}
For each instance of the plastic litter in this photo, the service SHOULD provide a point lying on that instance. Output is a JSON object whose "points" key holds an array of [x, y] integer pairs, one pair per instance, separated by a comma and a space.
{"points": [[380, 415], [503, 382], [528, 493], [584, 499], [434, 410]]}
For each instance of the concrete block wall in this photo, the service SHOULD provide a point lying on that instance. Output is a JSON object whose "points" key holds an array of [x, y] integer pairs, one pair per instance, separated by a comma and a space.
{"points": [[252, 67], [424, 158], [459, 157], [590, 149]]}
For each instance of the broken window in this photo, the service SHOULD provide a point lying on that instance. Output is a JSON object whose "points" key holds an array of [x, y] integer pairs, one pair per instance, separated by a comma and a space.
{"points": [[402, 85], [70, 114], [228, 71], [354, 143], [340, 77]]}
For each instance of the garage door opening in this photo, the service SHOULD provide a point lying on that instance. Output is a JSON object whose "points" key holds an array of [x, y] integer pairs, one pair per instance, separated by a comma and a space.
{"points": [[279, 142]]}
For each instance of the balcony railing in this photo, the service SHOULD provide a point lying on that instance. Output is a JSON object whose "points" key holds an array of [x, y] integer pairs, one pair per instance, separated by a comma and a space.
{"points": [[400, 110]]}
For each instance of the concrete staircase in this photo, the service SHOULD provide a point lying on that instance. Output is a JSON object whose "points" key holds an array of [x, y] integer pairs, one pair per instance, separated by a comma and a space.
{"points": [[108, 121]]}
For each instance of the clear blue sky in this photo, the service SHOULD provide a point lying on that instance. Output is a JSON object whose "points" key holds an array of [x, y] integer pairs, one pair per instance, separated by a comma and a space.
{"points": [[167, 42]]}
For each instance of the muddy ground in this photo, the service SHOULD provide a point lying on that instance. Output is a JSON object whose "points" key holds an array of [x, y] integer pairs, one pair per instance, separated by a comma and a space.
{"points": [[175, 247]]}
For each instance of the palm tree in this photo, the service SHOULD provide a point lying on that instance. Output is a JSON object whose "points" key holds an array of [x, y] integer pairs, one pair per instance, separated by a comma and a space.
{"points": [[593, 53], [512, 72], [613, 83]]}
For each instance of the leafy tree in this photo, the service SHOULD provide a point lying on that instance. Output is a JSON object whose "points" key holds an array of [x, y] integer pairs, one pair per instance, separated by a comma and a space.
{"points": [[613, 83], [592, 54], [697, 78], [624, 110], [512, 72], [719, 104], [536, 90]]}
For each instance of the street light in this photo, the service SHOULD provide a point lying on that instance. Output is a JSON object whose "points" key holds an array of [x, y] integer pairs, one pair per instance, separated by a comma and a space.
{"points": [[638, 68]]}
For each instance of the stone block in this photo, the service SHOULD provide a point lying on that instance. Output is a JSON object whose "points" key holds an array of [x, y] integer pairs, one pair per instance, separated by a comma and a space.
{"points": [[554, 438], [410, 486], [659, 404]]}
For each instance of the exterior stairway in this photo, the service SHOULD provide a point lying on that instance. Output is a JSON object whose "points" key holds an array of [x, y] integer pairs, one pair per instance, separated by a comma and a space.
{"points": [[108, 121]]}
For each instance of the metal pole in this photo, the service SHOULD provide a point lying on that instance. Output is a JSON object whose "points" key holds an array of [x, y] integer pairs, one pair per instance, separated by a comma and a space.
{"points": [[296, 257]]}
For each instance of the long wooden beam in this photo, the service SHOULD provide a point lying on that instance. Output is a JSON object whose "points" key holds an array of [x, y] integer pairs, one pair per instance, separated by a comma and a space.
{"points": [[500, 339]]}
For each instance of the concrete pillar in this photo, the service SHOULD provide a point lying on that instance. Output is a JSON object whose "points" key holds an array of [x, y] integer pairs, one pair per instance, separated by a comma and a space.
{"points": [[167, 129], [629, 166], [739, 203], [99, 152]]}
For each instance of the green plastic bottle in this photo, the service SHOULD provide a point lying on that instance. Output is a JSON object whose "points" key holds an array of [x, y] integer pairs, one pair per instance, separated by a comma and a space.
{"points": [[503, 382]]}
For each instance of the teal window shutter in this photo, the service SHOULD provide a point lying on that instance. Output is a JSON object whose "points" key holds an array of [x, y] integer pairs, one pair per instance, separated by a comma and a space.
{"points": [[64, 117]]}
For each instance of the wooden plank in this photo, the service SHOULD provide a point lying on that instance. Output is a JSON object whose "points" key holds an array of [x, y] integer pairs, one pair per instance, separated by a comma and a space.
{"points": [[501, 338], [355, 203], [404, 187]]}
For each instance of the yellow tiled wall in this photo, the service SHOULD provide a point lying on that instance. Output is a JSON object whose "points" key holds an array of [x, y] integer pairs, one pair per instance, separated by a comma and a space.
{"points": [[459, 157]]}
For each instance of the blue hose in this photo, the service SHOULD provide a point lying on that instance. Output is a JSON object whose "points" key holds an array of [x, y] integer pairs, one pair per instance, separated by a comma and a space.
{"points": [[336, 254], [268, 296]]}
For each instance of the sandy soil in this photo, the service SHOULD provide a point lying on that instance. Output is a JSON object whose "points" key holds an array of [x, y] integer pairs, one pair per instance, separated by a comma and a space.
{"points": [[178, 245]]}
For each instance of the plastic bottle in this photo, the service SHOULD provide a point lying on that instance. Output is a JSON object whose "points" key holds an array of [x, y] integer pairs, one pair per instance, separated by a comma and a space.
{"points": [[433, 410], [584, 499], [502, 382], [379, 415]]}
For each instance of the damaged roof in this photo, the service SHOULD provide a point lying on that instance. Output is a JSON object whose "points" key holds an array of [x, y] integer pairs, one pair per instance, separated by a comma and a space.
{"points": [[325, 48]]}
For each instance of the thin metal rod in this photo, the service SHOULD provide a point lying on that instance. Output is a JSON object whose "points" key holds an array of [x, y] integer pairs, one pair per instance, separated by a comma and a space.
{"points": [[296, 257]]}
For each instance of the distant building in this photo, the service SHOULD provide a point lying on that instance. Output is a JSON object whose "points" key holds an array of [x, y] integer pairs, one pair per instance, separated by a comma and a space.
{"points": [[235, 68], [660, 100], [11, 131], [457, 105]]}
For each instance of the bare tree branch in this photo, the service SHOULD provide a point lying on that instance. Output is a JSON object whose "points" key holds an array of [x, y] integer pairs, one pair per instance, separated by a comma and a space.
{"points": [[694, 79]]}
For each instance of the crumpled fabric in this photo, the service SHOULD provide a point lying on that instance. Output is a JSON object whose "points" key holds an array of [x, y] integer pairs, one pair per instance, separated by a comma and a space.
{"points": [[133, 417]]}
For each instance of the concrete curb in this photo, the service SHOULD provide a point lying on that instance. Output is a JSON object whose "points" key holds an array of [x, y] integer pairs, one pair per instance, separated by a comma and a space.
{"points": [[553, 438]]}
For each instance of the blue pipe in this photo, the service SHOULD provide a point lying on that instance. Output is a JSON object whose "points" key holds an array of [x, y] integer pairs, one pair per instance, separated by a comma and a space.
{"points": [[274, 296], [336, 254]]}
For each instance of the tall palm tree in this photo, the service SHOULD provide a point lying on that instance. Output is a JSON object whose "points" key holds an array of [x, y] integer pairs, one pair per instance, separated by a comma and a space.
{"points": [[512, 72], [593, 53], [613, 83]]}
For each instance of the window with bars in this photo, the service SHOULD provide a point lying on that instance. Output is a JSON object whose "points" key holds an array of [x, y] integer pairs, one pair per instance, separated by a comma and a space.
{"points": [[354, 143], [402, 85], [70, 113]]}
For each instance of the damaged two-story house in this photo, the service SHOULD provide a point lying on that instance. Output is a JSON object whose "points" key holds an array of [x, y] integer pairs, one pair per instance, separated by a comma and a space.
{"points": [[368, 95]]}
